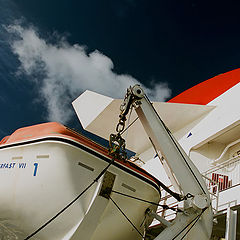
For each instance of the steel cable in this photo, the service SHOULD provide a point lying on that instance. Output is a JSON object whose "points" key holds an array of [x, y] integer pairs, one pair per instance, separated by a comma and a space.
{"points": [[126, 217], [143, 200]]}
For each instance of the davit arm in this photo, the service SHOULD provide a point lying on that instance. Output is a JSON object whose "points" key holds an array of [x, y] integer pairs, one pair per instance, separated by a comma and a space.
{"points": [[195, 222]]}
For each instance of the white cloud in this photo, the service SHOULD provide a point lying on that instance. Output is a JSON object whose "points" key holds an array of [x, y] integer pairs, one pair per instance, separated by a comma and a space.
{"points": [[67, 70]]}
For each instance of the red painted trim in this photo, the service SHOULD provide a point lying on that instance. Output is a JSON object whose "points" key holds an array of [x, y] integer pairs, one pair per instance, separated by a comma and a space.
{"points": [[4, 140], [205, 92]]}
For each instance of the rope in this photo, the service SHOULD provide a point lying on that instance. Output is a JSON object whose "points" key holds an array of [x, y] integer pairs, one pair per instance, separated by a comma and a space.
{"points": [[72, 202], [131, 108], [129, 125], [177, 196], [143, 200], [191, 227], [126, 217], [195, 219]]}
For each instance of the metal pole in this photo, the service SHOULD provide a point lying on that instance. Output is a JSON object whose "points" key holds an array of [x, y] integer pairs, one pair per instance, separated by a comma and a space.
{"points": [[231, 224]]}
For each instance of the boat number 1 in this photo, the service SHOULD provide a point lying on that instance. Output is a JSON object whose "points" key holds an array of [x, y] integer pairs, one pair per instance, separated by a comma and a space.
{"points": [[35, 169]]}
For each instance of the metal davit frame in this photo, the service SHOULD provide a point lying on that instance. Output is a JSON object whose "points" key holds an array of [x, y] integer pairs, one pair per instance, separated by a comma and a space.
{"points": [[196, 218]]}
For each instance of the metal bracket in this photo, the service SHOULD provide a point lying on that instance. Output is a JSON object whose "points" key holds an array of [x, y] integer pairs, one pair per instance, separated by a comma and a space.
{"points": [[158, 217], [107, 185]]}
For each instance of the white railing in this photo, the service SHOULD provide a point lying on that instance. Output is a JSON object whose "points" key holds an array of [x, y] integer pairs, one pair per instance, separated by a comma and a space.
{"points": [[227, 174], [213, 188], [171, 202], [222, 177], [168, 200], [217, 178]]}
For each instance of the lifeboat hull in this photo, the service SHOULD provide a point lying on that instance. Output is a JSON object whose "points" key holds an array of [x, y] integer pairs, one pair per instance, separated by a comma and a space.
{"points": [[40, 177]]}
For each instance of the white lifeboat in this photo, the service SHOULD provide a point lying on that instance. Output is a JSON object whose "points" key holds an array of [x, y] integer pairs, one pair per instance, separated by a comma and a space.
{"points": [[45, 167]]}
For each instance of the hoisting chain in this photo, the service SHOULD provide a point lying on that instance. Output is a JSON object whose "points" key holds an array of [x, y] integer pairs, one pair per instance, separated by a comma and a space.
{"points": [[117, 145]]}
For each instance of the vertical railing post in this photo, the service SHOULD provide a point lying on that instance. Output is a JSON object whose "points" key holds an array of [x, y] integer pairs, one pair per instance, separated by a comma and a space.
{"points": [[217, 197], [231, 224]]}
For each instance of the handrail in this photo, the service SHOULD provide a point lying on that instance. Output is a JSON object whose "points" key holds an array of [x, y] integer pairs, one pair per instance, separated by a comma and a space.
{"points": [[225, 150], [213, 186], [222, 165]]}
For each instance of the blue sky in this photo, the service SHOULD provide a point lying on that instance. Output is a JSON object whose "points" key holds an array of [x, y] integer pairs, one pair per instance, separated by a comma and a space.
{"points": [[51, 51]]}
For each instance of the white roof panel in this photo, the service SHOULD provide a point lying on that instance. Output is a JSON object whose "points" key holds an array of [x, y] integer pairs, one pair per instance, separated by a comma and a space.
{"points": [[100, 114]]}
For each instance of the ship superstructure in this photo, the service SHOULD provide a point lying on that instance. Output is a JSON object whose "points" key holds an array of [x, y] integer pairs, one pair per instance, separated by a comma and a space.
{"points": [[61, 185], [205, 121]]}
